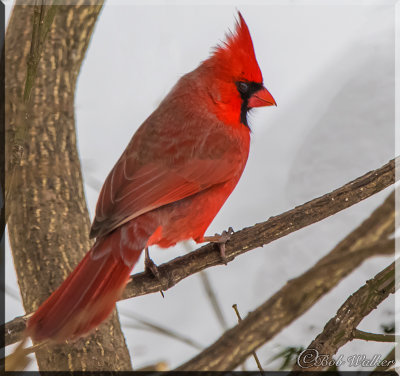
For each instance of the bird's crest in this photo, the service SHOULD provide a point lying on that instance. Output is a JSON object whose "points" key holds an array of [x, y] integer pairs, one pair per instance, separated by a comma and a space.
{"points": [[236, 55]]}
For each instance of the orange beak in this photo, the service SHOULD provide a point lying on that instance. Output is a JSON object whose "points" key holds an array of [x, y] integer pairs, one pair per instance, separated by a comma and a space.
{"points": [[261, 98]]}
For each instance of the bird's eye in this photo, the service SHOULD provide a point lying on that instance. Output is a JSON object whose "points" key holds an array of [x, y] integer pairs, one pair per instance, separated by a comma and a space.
{"points": [[243, 87]]}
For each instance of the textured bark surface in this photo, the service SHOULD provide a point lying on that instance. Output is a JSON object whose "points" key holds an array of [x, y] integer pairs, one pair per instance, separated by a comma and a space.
{"points": [[369, 239], [300, 293], [340, 329], [49, 222]]}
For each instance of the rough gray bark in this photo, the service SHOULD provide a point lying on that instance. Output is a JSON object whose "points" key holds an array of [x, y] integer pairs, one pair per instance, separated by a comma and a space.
{"points": [[49, 222]]}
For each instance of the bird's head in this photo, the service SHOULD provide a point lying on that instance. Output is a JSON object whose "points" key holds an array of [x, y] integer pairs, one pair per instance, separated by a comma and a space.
{"points": [[237, 83]]}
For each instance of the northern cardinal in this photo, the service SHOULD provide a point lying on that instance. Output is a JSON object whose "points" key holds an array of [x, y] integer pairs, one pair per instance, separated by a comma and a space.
{"points": [[170, 182]]}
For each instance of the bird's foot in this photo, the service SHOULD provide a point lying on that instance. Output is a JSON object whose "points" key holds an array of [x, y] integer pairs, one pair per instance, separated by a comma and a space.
{"points": [[151, 267], [220, 240]]}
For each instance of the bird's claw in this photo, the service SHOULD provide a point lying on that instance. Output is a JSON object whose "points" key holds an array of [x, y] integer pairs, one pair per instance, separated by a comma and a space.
{"points": [[225, 236], [220, 240], [151, 267]]}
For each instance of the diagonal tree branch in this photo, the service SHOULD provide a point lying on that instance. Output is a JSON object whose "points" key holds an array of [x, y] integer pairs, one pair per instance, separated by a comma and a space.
{"points": [[299, 294], [212, 297], [266, 232], [263, 233], [341, 329]]}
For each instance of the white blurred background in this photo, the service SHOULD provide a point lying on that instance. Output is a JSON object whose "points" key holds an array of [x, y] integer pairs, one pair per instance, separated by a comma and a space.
{"points": [[330, 67]]}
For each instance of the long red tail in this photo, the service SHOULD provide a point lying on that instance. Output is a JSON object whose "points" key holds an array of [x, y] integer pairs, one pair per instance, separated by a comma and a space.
{"points": [[85, 298]]}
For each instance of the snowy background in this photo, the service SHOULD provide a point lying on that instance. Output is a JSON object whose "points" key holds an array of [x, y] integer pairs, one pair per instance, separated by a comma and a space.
{"points": [[330, 67]]}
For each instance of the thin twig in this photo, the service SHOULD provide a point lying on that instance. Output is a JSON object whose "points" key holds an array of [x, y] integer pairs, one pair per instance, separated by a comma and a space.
{"points": [[210, 291], [359, 334], [146, 324], [253, 353], [213, 299]]}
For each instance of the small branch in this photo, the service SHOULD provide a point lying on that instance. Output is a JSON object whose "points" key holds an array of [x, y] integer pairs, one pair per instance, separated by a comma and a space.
{"points": [[13, 330], [253, 353], [146, 324], [213, 299], [263, 233], [299, 294], [340, 329], [359, 334], [210, 291]]}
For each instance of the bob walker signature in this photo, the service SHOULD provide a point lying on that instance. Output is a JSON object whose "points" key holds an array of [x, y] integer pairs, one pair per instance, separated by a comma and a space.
{"points": [[312, 358]]}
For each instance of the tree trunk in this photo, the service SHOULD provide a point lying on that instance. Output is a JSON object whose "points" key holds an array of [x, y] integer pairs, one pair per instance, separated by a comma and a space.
{"points": [[49, 222]]}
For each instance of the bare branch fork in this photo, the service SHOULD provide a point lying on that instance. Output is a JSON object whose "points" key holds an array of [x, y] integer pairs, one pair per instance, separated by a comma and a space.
{"points": [[249, 238], [342, 327], [299, 294]]}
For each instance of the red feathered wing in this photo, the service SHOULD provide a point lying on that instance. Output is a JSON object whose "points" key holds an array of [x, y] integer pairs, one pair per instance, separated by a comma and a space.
{"points": [[126, 196], [167, 163]]}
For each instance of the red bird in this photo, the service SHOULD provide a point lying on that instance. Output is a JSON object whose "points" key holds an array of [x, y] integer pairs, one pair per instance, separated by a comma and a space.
{"points": [[172, 179]]}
